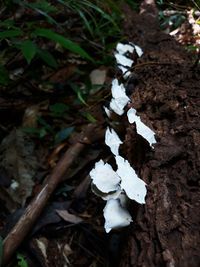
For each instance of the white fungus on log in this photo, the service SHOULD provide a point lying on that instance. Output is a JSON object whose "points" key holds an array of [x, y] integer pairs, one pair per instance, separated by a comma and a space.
{"points": [[112, 140], [115, 215], [142, 129], [134, 187], [120, 99], [117, 186], [104, 177]]}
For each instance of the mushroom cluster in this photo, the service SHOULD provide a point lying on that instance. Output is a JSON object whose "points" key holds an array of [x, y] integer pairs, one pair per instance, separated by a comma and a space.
{"points": [[116, 186]]}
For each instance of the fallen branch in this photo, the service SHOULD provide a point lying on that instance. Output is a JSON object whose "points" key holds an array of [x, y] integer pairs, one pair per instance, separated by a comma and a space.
{"points": [[89, 135]]}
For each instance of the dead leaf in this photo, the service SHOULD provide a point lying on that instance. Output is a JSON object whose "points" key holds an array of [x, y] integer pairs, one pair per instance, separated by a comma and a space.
{"points": [[68, 217], [39, 248], [42, 245], [98, 76], [31, 115], [17, 157], [62, 75], [66, 252]]}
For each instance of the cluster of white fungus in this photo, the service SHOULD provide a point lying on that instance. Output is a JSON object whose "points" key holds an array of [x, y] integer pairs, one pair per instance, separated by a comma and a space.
{"points": [[115, 186]]}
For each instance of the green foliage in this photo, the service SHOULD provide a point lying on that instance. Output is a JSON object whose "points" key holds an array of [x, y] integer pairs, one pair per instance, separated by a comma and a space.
{"points": [[47, 57], [99, 23], [10, 33], [89, 117], [79, 93], [66, 43], [133, 4], [100, 20], [39, 133], [58, 109], [63, 134], [160, 2], [47, 127], [44, 129], [28, 49], [43, 6], [95, 26], [21, 261], [174, 21]]}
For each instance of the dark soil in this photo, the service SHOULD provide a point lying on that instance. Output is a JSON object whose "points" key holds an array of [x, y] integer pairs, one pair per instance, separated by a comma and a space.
{"points": [[167, 98]]}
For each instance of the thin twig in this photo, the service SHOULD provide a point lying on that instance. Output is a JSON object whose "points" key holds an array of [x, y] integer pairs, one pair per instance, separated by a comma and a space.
{"points": [[18, 233]]}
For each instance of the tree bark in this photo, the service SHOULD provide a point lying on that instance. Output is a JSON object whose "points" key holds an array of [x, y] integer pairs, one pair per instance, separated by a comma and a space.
{"points": [[166, 230]]}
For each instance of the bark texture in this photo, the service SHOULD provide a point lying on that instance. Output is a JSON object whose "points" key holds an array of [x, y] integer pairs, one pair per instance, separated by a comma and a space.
{"points": [[167, 97]]}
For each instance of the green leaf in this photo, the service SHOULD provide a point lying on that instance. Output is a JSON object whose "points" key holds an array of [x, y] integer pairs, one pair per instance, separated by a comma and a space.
{"points": [[66, 43], [58, 109], [1, 249], [44, 6], [4, 76], [45, 125], [80, 97], [21, 261], [86, 22], [89, 117], [31, 130], [41, 7], [8, 23], [100, 11], [63, 134], [47, 57], [28, 50], [10, 34], [77, 90], [42, 132]]}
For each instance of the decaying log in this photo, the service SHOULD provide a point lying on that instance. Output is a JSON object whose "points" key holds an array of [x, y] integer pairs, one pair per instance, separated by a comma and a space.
{"points": [[166, 229]]}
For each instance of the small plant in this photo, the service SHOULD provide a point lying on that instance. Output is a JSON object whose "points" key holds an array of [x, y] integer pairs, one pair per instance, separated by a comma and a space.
{"points": [[99, 21], [21, 261]]}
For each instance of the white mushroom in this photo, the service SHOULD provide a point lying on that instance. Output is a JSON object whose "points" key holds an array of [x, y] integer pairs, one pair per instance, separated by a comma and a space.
{"points": [[124, 48], [107, 111], [134, 187], [105, 196], [142, 129], [104, 177], [120, 99], [118, 90], [125, 71], [123, 60], [138, 50], [112, 140], [115, 215]]}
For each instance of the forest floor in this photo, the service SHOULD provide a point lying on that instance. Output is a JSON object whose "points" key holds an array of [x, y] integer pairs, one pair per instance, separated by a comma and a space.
{"points": [[46, 117]]}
